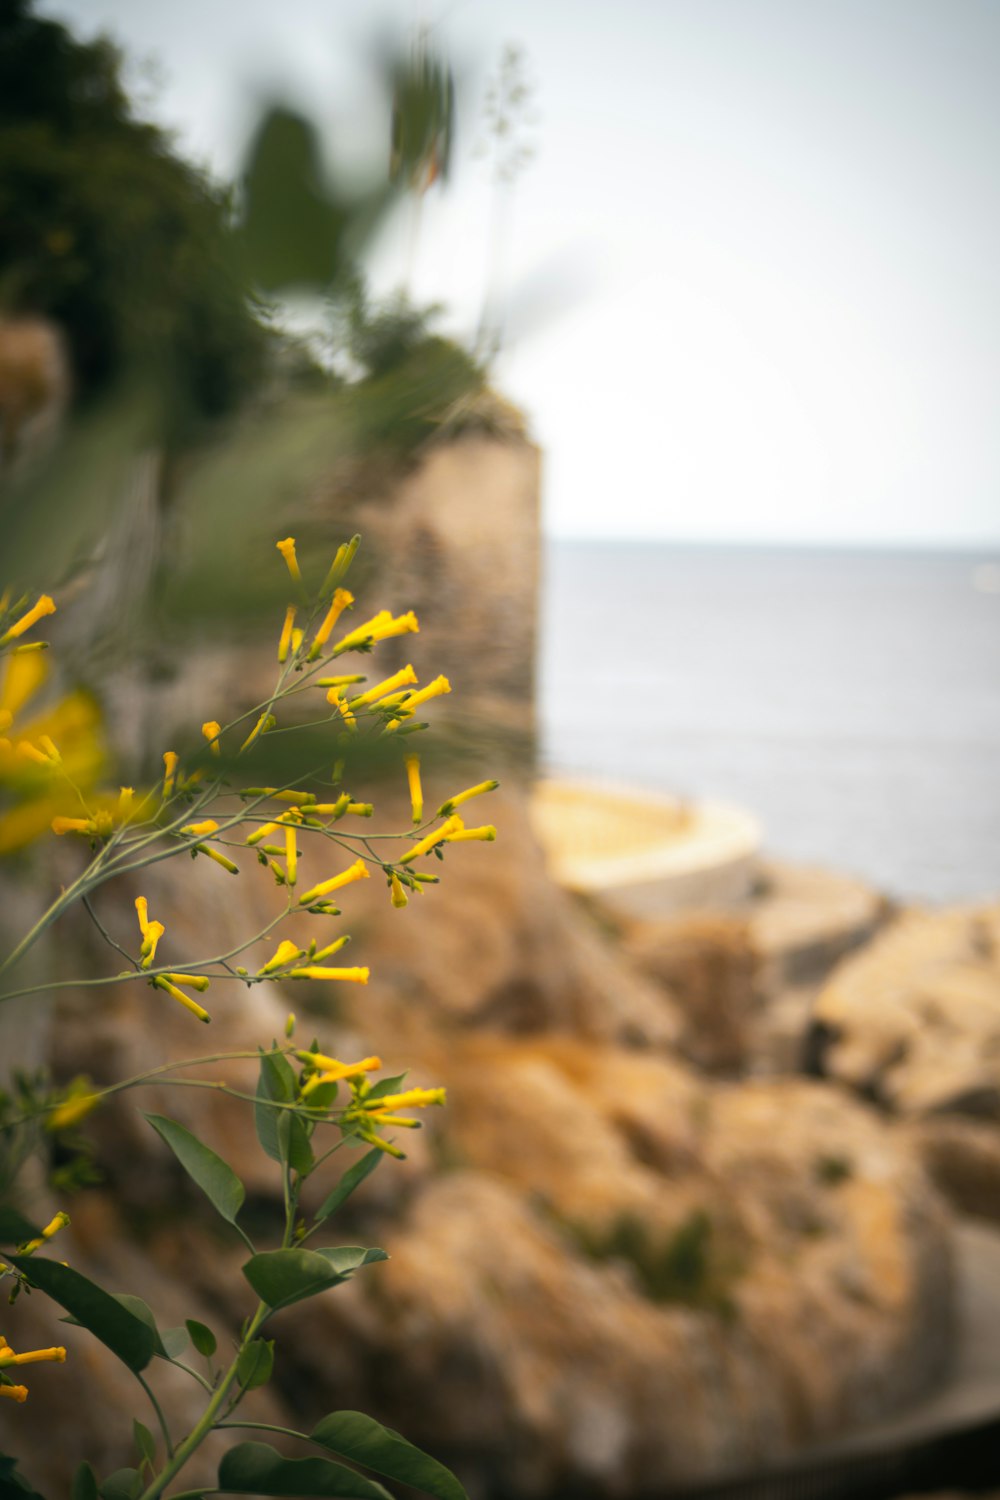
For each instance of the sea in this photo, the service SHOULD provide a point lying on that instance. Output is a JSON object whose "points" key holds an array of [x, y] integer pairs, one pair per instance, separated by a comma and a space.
{"points": [[849, 698]]}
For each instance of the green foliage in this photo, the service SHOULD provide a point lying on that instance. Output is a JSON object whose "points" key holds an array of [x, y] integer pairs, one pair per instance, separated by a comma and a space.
{"points": [[688, 1267], [108, 233], [215, 1177], [202, 1338], [352, 1178], [255, 1363], [126, 1335], [258, 1469], [14, 1486], [281, 1277], [362, 1440], [84, 1484]]}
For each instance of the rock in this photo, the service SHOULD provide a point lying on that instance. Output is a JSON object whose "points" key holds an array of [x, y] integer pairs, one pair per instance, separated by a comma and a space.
{"points": [[708, 966], [962, 1158], [914, 1020]]}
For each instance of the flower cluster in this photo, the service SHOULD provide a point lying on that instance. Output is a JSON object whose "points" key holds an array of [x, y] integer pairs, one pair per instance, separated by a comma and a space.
{"points": [[371, 1107]]}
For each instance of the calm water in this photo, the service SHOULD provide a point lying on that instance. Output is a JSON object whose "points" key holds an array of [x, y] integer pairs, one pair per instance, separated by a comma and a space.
{"points": [[850, 699]]}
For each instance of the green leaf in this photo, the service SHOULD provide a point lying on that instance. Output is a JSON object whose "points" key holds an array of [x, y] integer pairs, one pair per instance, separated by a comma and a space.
{"points": [[361, 1439], [215, 1177], [123, 1484], [144, 1313], [174, 1341], [84, 1484], [276, 1083], [202, 1338], [144, 1441], [15, 1229], [254, 1366], [352, 1178], [258, 1469], [281, 1277], [293, 1142], [127, 1336], [14, 1486]]}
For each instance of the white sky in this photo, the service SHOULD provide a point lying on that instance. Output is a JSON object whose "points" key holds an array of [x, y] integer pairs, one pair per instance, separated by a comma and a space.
{"points": [[752, 268]]}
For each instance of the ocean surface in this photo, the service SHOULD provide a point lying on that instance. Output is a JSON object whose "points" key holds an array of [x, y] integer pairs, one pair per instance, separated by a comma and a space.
{"points": [[850, 699]]}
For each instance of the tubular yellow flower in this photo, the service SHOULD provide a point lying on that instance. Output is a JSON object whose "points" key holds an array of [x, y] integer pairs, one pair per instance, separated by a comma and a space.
{"points": [[198, 830], [52, 1227], [170, 760], [72, 1111], [298, 636], [357, 871], [412, 763], [220, 859], [346, 679], [383, 1145], [150, 938], [440, 835], [466, 796], [381, 1119], [413, 700], [161, 982], [285, 953], [342, 600], [486, 834], [379, 628], [31, 1357], [291, 856], [142, 912], [40, 757], [399, 679], [336, 700], [329, 950], [334, 1066], [287, 550], [399, 896], [72, 825], [211, 729], [44, 606], [408, 1099], [332, 809], [313, 971], [198, 982], [264, 723], [14, 1392], [286, 633]]}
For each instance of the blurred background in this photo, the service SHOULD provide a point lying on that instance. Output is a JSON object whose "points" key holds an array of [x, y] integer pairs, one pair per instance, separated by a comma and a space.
{"points": [[654, 349]]}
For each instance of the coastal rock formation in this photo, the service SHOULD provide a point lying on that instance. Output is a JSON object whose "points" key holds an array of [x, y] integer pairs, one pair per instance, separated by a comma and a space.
{"points": [[607, 1272]]}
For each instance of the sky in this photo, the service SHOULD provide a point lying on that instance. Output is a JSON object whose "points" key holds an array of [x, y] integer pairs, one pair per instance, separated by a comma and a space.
{"points": [[749, 275]]}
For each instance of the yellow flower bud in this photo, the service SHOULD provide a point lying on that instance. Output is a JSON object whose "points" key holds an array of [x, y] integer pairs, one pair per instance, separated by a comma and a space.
{"points": [[286, 633], [399, 897], [211, 729], [412, 763], [466, 796], [440, 835], [390, 684], [170, 760], [413, 700], [342, 600], [313, 971], [44, 606], [357, 871], [408, 1099], [161, 982]]}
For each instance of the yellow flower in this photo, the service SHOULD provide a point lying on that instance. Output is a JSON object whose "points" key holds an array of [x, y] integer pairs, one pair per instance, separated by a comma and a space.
{"points": [[440, 835], [357, 871], [467, 795], [399, 896], [161, 982], [31, 1357], [291, 856], [52, 1227], [412, 763], [379, 628], [170, 761], [72, 1110], [14, 1392], [331, 1070], [315, 971], [264, 723], [486, 834], [150, 938], [211, 729], [285, 953], [413, 700], [287, 550], [399, 679], [342, 600], [44, 606], [408, 1099], [286, 633]]}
